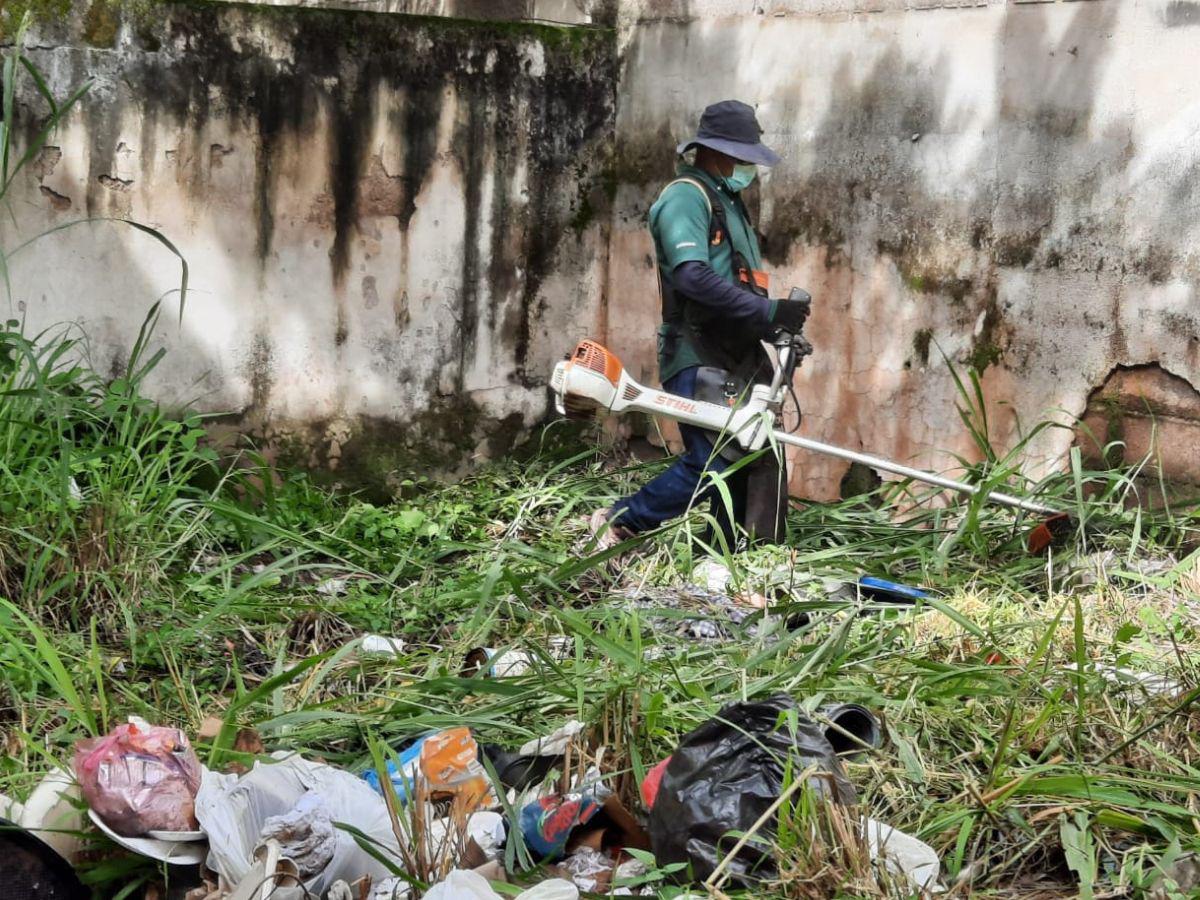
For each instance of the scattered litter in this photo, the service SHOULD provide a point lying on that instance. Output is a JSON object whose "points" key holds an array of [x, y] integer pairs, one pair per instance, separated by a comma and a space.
{"points": [[725, 775], [139, 778], [1102, 567], [176, 853], [52, 813], [653, 782], [333, 587], [852, 729], [234, 809], [390, 889], [555, 743], [489, 832], [305, 834], [715, 577], [379, 645], [1152, 684], [272, 877], [556, 826], [884, 591], [690, 612], [903, 854], [627, 871], [589, 869], [464, 884], [446, 763], [519, 772], [496, 663], [554, 889]]}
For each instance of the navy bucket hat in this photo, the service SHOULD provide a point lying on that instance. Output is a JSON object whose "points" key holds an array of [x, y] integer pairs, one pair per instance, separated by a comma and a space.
{"points": [[730, 127]]}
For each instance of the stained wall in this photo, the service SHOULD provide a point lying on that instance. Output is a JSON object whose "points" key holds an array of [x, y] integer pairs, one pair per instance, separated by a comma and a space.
{"points": [[389, 220], [396, 220], [1011, 185]]}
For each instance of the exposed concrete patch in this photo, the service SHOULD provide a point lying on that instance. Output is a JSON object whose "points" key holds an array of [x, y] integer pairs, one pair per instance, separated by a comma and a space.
{"points": [[120, 185], [1144, 412], [58, 202], [46, 162]]}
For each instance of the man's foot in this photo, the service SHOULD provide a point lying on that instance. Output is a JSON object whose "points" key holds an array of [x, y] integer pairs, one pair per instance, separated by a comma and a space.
{"points": [[606, 534]]}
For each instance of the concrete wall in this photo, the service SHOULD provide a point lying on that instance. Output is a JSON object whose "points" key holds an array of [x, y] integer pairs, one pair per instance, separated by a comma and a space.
{"points": [[566, 12], [396, 224], [1014, 184], [389, 221]]}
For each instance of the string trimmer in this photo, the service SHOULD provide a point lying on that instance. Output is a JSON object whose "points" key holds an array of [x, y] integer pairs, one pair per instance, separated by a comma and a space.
{"points": [[592, 378]]}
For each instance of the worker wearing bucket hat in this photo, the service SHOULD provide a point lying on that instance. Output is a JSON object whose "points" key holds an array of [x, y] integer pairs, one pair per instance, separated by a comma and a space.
{"points": [[716, 310]]}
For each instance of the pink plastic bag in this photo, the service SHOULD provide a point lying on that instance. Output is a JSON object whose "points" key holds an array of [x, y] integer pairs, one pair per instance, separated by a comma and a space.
{"points": [[140, 778]]}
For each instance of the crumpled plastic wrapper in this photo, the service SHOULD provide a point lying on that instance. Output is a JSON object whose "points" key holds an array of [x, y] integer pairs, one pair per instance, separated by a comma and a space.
{"points": [[305, 834]]}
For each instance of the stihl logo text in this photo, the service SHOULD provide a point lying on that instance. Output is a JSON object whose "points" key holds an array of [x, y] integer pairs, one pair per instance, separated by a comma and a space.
{"points": [[675, 403]]}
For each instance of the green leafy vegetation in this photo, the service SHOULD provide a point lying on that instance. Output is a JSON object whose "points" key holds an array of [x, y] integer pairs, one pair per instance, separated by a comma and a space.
{"points": [[167, 585]]}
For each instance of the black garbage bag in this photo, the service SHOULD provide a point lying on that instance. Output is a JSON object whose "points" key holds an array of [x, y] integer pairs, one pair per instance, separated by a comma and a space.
{"points": [[725, 775], [31, 870]]}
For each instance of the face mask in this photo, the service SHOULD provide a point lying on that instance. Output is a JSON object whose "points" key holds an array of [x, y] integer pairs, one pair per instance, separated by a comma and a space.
{"points": [[743, 176]]}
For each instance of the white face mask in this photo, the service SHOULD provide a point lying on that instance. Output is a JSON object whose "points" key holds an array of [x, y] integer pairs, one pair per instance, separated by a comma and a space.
{"points": [[743, 176]]}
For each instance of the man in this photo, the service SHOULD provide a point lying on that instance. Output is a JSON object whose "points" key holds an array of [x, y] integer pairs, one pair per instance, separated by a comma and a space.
{"points": [[716, 311]]}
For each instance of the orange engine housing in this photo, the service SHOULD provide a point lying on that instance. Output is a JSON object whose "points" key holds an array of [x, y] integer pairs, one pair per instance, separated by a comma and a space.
{"points": [[599, 359]]}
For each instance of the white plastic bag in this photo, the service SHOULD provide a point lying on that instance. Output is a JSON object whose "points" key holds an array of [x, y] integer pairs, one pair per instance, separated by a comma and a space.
{"points": [[903, 853], [232, 810], [462, 885]]}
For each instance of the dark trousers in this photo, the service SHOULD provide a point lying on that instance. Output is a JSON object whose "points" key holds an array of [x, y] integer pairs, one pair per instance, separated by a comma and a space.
{"points": [[673, 492]]}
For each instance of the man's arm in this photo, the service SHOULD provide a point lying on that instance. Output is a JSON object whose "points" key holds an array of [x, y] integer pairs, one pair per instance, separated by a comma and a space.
{"points": [[698, 282]]}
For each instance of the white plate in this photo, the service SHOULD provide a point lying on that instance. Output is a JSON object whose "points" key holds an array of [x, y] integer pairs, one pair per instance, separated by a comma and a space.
{"points": [[183, 837], [176, 853]]}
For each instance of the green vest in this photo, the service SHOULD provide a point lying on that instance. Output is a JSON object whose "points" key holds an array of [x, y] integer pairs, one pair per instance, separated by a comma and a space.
{"points": [[681, 224]]}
